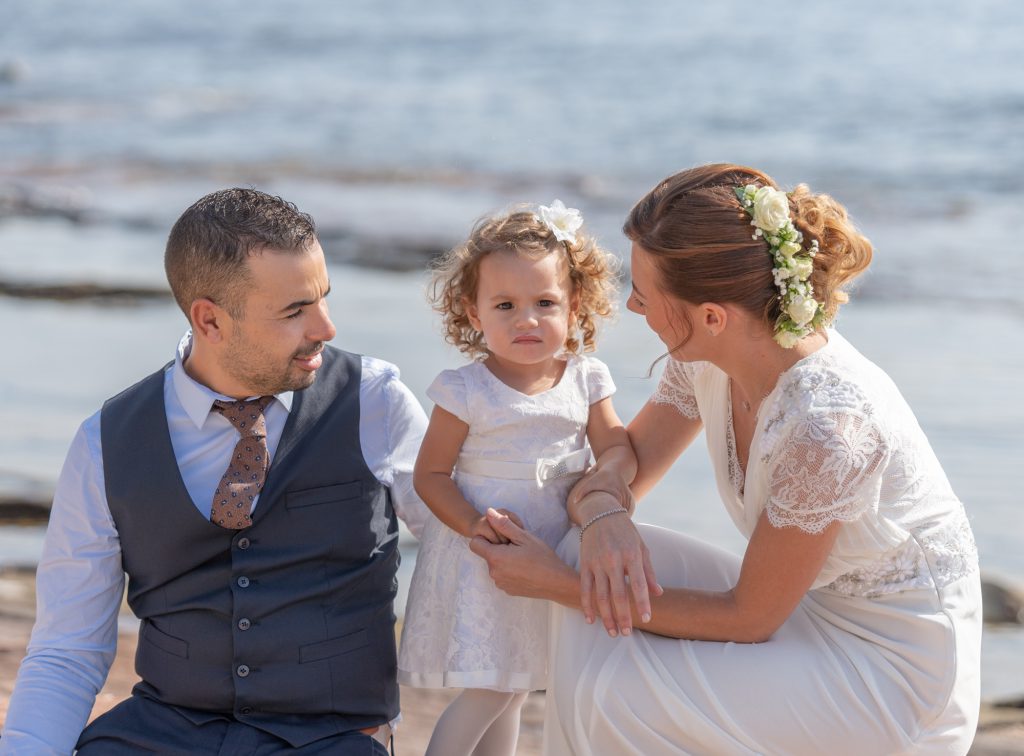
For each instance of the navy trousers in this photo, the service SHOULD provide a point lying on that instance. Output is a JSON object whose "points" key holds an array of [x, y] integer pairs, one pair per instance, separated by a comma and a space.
{"points": [[141, 725]]}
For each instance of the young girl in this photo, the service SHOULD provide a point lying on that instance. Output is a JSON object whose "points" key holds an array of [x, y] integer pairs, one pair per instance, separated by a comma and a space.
{"points": [[522, 296]]}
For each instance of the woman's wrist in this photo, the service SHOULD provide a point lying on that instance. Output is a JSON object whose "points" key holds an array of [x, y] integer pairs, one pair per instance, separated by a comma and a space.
{"points": [[593, 503], [601, 516]]}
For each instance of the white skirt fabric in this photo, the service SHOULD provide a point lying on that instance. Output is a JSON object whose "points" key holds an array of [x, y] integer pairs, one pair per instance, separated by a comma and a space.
{"points": [[891, 675]]}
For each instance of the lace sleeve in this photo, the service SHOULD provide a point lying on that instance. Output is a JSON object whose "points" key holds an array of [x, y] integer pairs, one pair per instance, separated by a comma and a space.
{"points": [[448, 391], [676, 388], [826, 468]]}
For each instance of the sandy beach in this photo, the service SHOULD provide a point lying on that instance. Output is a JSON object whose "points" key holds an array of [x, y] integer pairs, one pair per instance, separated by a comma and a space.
{"points": [[1001, 732]]}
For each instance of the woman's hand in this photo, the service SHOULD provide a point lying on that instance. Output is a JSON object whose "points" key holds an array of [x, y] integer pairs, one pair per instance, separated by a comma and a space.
{"points": [[524, 565], [612, 555]]}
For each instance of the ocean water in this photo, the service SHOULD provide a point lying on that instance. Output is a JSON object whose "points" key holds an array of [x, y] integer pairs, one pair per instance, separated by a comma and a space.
{"points": [[396, 124]]}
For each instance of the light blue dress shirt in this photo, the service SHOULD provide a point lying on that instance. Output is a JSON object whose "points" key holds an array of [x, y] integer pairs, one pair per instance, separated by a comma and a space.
{"points": [[80, 582]]}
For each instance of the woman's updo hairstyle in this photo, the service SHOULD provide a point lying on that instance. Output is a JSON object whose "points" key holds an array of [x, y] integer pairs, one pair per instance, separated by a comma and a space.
{"points": [[700, 239]]}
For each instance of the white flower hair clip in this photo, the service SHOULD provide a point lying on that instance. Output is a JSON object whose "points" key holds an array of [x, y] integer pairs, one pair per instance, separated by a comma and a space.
{"points": [[769, 212], [563, 221]]}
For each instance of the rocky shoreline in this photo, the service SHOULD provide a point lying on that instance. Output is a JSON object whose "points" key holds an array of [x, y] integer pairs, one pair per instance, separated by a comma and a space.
{"points": [[1000, 733]]}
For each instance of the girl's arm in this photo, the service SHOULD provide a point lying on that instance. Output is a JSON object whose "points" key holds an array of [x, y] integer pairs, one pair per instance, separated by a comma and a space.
{"points": [[778, 569], [432, 477], [657, 436]]}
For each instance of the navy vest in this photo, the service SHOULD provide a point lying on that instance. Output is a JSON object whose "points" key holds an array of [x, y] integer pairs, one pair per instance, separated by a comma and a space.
{"points": [[287, 625]]}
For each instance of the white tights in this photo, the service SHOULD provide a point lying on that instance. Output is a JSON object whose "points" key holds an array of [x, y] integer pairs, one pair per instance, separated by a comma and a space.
{"points": [[478, 723]]}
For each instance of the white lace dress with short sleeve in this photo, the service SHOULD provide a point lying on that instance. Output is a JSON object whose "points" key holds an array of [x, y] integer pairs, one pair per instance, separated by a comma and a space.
{"points": [[881, 655], [522, 453]]}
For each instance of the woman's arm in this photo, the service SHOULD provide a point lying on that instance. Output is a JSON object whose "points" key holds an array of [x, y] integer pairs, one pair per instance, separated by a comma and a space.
{"points": [[612, 548], [432, 476], [779, 567]]}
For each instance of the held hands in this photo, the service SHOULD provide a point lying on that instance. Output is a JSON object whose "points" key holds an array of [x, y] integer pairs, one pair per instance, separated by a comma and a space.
{"points": [[481, 528], [598, 480], [524, 565]]}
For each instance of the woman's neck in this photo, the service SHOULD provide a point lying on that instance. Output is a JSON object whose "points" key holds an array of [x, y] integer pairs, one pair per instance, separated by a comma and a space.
{"points": [[755, 366]]}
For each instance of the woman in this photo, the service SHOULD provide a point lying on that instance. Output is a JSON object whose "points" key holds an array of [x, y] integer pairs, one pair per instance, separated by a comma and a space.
{"points": [[852, 623]]}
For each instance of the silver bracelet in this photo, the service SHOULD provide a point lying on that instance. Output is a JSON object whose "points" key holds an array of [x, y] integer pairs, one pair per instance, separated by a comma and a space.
{"points": [[597, 517]]}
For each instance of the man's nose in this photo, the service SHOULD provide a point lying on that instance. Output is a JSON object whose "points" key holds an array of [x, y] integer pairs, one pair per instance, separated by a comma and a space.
{"points": [[321, 327]]}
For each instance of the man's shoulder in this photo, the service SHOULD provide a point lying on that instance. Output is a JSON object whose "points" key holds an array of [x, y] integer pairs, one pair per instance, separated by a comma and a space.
{"points": [[152, 382]]}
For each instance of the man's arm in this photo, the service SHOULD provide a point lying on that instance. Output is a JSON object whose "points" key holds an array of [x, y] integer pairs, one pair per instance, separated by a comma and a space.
{"points": [[397, 422], [79, 585]]}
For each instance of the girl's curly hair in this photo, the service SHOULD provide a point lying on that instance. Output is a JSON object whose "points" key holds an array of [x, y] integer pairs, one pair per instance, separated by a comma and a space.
{"points": [[455, 277]]}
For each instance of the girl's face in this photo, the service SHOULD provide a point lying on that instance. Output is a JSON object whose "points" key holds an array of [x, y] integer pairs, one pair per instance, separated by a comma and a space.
{"points": [[524, 307], [647, 299]]}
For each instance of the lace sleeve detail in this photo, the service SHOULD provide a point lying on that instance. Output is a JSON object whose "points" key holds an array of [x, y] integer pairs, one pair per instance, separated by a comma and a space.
{"points": [[826, 468], [448, 391], [676, 388]]}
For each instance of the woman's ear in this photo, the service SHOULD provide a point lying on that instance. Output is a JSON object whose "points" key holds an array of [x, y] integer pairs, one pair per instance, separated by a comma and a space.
{"points": [[713, 318], [209, 320]]}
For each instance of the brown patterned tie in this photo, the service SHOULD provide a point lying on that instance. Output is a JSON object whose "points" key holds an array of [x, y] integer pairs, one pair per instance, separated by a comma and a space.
{"points": [[247, 470]]}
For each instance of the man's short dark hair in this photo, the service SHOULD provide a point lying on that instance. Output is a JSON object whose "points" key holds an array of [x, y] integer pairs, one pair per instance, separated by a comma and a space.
{"points": [[208, 246]]}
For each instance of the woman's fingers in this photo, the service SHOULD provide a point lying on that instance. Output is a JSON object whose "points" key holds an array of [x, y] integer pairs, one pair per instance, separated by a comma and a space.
{"points": [[604, 605], [504, 526], [587, 595], [511, 515]]}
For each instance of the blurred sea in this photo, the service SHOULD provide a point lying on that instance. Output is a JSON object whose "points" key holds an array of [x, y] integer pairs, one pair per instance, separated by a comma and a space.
{"points": [[396, 124]]}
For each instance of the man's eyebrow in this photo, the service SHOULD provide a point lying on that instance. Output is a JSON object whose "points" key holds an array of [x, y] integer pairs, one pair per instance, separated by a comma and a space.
{"points": [[304, 302]]}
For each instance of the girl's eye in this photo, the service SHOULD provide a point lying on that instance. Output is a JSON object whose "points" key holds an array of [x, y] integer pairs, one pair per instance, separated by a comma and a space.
{"points": [[546, 303], [504, 306]]}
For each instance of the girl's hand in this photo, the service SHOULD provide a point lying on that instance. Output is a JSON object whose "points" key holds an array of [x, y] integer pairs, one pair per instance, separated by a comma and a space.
{"points": [[480, 528], [612, 556], [604, 480]]}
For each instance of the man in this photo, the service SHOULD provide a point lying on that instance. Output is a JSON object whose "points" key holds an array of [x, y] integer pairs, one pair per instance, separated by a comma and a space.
{"points": [[249, 491]]}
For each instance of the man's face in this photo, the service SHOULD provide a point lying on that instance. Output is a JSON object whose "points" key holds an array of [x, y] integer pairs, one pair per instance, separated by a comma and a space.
{"points": [[275, 345]]}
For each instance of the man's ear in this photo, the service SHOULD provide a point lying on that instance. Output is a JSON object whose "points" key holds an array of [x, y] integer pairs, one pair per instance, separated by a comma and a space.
{"points": [[209, 320]]}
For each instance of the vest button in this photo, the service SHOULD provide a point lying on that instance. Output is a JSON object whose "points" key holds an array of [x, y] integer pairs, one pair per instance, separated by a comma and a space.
{"points": [[244, 624], [243, 670], [243, 543], [243, 582], [245, 710]]}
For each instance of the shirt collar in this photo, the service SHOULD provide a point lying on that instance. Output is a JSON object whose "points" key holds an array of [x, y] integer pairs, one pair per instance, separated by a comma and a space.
{"points": [[197, 399]]}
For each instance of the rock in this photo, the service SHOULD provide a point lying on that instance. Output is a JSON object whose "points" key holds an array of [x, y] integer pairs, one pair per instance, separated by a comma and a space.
{"points": [[1003, 604]]}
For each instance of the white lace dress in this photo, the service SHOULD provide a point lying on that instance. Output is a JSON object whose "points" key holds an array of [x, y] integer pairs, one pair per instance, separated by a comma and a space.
{"points": [[522, 453], [882, 654]]}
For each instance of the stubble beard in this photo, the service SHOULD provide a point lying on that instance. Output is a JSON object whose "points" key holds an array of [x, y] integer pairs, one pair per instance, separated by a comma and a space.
{"points": [[253, 368]]}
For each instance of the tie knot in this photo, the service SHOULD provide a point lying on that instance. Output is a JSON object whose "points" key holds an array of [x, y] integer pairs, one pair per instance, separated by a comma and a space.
{"points": [[247, 417]]}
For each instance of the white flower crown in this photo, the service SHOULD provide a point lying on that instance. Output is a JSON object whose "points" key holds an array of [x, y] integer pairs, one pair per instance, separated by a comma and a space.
{"points": [[801, 312], [563, 221]]}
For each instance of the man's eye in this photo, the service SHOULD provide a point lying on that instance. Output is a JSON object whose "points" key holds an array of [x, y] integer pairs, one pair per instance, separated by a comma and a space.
{"points": [[293, 315]]}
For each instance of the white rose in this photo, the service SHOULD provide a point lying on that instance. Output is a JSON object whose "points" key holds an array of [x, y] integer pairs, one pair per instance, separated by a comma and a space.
{"points": [[802, 310], [771, 209], [787, 339], [563, 221], [802, 268], [788, 249]]}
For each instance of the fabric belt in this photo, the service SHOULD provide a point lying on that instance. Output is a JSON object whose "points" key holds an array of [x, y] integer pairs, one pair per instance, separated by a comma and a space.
{"points": [[542, 470]]}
